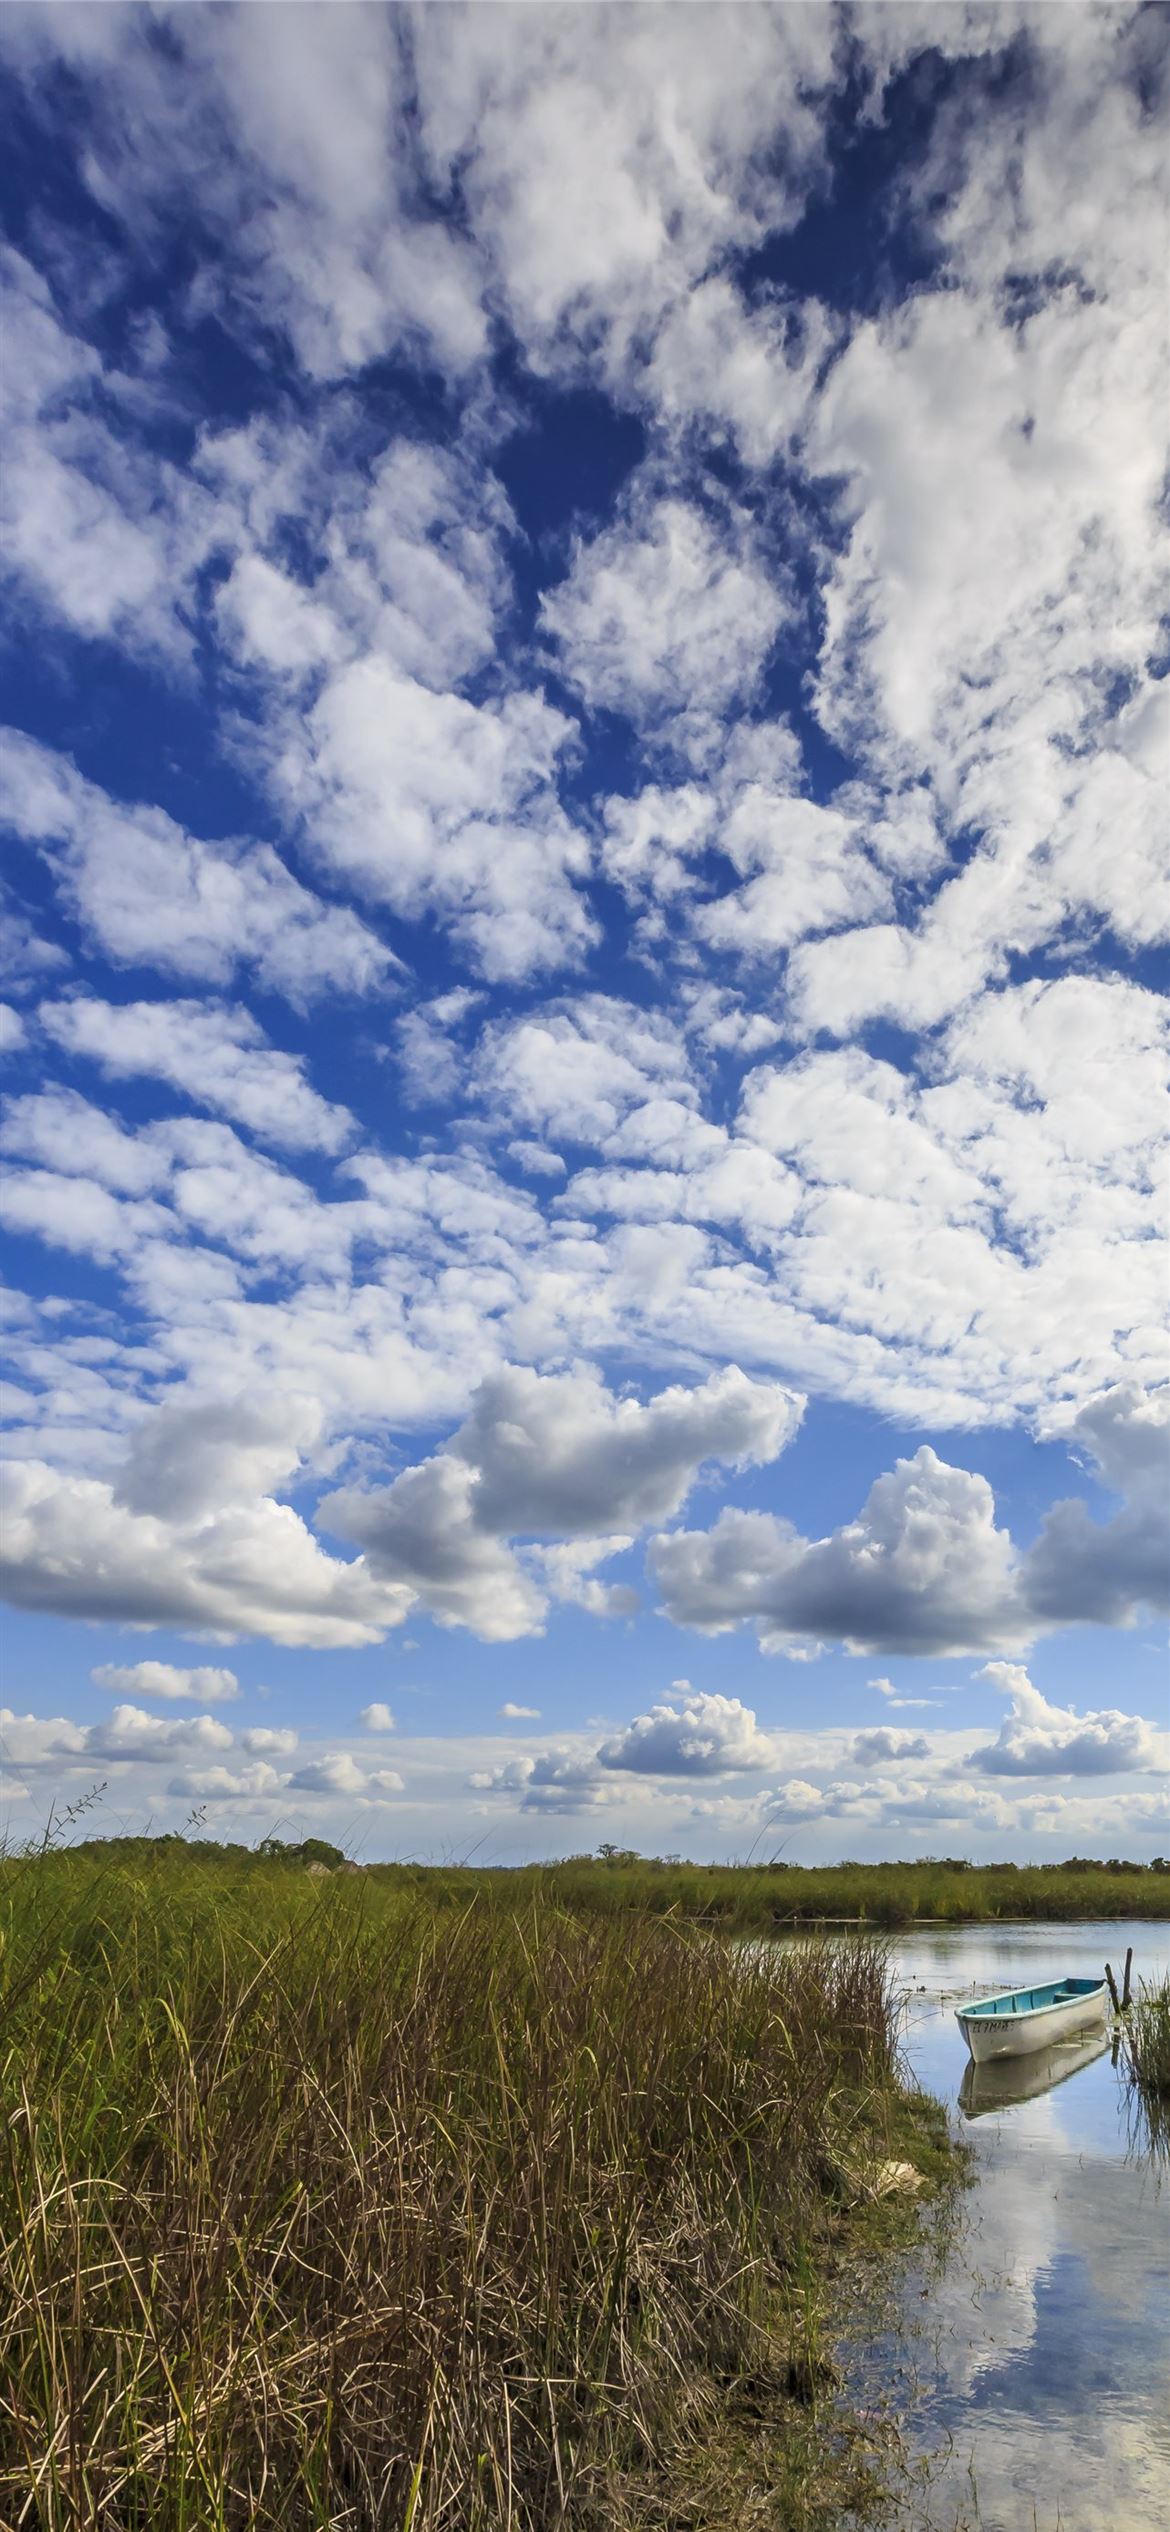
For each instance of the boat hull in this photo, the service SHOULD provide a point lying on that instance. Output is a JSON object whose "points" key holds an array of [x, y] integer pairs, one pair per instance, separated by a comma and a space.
{"points": [[1019, 2034], [1000, 2084]]}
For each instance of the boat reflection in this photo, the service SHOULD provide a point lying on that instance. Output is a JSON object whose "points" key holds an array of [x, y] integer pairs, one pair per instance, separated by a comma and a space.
{"points": [[1001, 2081]]}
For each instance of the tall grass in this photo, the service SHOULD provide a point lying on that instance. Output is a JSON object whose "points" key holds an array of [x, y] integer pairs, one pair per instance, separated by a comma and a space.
{"points": [[760, 1898], [769, 1898], [1145, 2056], [319, 2206]]}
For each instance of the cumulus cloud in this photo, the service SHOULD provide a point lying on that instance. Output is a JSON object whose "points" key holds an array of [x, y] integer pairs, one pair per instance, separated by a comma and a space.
{"points": [[269, 1741], [1103, 1572], [559, 1780], [877, 1748], [244, 1786], [923, 1569], [1038, 1739], [195, 1456], [550, 1453], [206, 1685], [509, 1713], [701, 1736], [377, 1718], [128, 1734], [335, 1773], [71, 1548]]}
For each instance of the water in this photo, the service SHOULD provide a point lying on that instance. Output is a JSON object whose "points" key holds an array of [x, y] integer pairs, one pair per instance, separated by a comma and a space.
{"points": [[1041, 2356]]}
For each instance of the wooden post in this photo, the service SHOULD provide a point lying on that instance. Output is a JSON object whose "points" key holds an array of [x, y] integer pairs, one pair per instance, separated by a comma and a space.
{"points": [[1113, 1988], [1125, 1980]]}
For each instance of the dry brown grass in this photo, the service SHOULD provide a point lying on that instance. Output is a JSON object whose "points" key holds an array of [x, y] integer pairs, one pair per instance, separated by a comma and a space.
{"points": [[316, 2211]]}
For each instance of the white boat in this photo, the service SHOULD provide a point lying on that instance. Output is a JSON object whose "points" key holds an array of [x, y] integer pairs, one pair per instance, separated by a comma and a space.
{"points": [[1027, 2018], [1003, 2082]]}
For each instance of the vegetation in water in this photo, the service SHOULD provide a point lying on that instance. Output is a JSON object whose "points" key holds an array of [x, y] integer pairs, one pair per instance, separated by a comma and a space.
{"points": [[1145, 2058], [325, 2205], [747, 1898]]}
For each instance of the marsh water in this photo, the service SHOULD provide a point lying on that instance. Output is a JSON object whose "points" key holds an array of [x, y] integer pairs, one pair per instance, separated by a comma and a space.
{"points": [[1036, 2367]]}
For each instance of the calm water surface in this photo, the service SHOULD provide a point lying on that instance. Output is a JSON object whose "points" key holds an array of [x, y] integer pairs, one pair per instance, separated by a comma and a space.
{"points": [[1042, 2357]]}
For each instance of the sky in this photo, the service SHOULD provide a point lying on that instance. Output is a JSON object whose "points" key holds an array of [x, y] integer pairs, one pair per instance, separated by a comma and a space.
{"points": [[583, 789]]}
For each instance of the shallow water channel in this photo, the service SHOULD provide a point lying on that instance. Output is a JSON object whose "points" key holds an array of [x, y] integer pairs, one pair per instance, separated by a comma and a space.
{"points": [[1037, 2367]]}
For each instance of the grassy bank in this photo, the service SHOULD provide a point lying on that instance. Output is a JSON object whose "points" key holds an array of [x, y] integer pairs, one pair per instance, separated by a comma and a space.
{"points": [[764, 1898], [322, 2206], [742, 1898], [877, 1895]]}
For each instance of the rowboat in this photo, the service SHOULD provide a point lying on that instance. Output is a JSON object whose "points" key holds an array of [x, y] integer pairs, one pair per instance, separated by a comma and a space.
{"points": [[1004, 2082], [1027, 2018]]}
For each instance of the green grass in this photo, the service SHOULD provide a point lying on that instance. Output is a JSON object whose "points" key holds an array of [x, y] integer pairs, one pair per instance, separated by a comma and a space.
{"points": [[751, 1898], [1145, 2058], [767, 1898], [325, 2205]]}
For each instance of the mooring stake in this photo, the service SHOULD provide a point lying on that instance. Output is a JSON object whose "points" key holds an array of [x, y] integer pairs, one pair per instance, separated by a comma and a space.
{"points": [[1125, 1980], [1113, 1988]]}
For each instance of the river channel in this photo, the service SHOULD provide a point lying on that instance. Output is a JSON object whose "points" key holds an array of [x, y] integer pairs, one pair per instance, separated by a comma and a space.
{"points": [[1036, 2366]]}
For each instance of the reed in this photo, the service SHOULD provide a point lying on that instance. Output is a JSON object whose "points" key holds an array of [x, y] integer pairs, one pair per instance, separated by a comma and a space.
{"points": [[323, 2206], [769, 1898], [1145, 2040]]}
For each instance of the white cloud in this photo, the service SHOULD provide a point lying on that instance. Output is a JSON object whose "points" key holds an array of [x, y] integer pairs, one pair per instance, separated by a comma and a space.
{"points": [[428, 803], [602, 188], [665, 612], [96, 532], [559, 1780], [421, 1535], [1038, 1739], [377, 1718], [215, 1057], [430, 1057], [194, 1456], [509, 1713], [561, 1454], [299, 158], [577, 1070], [536, 1159], [152, 895], [702, 1736], [383, 1783], [336, 1773], [128, 1734], [253, 1569], [247, 1787], [550, 1454], [205, 1685], [923, 1569], [996, 599], [879, 1747], [1105, 1572]]}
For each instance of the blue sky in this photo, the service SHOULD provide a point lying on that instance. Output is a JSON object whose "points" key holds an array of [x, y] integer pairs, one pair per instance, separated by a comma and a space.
{"points": [[582, 785]]}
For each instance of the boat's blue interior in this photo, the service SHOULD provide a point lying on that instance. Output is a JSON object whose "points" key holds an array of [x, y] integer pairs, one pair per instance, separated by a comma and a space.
{"points": [[1033, 1999]]}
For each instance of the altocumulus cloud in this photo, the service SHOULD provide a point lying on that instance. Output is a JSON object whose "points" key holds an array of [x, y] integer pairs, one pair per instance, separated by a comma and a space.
{"points": [[444, 968]]}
